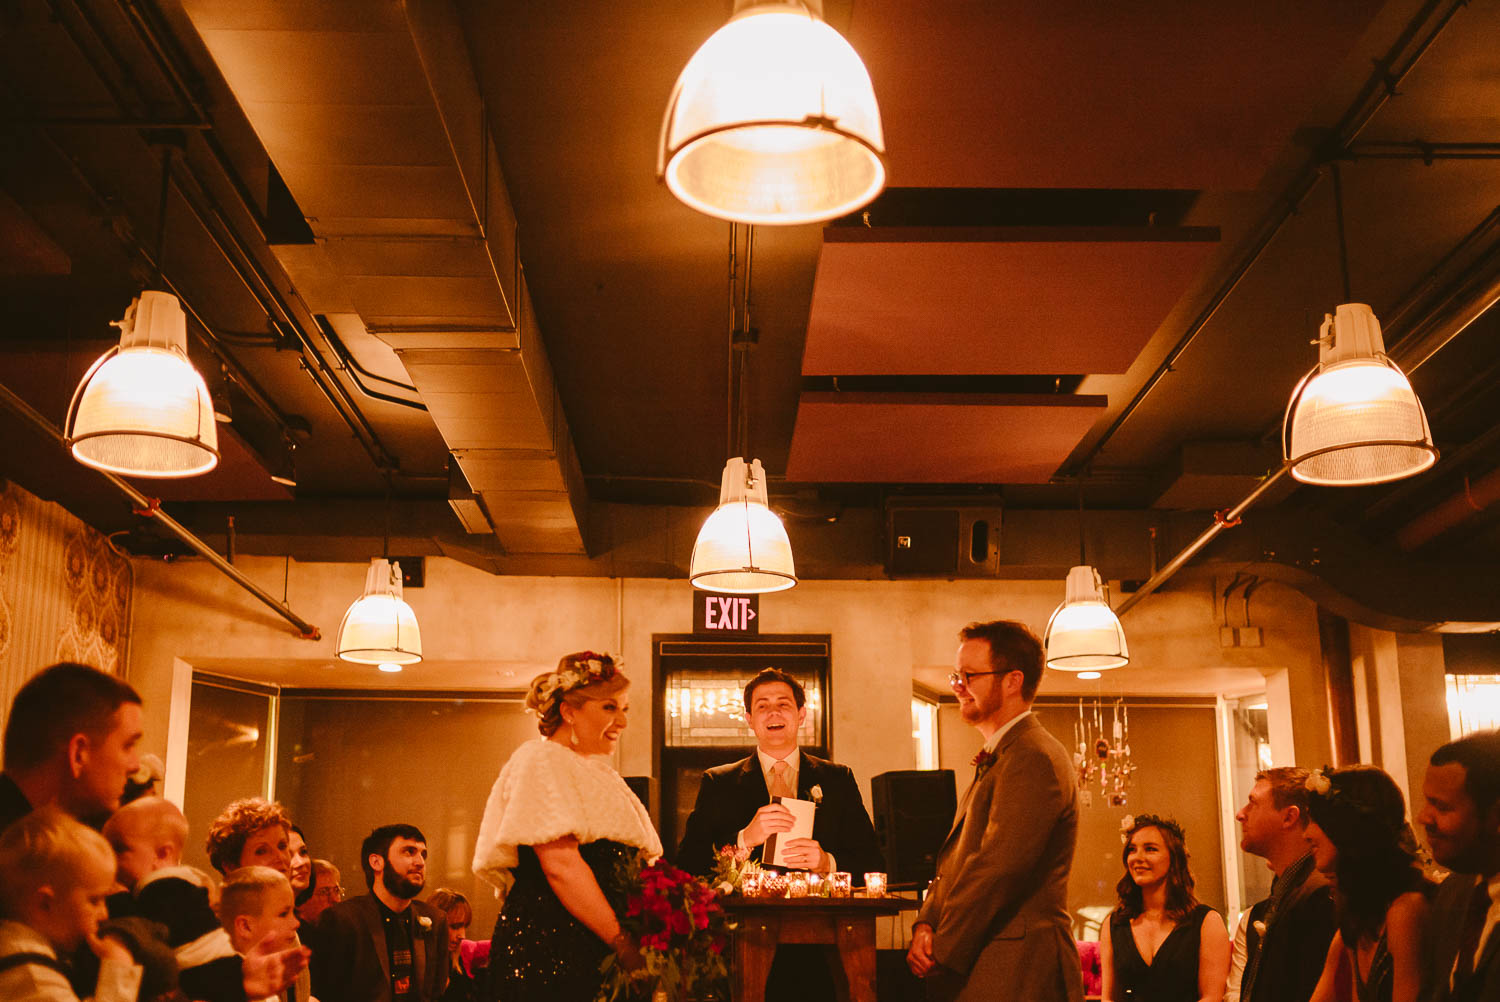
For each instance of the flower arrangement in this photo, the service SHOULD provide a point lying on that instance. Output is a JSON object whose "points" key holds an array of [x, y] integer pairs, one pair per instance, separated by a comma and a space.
{"points": [[982, 762], [731, 863], [1319, 783], [682, 931], [583, 669]]}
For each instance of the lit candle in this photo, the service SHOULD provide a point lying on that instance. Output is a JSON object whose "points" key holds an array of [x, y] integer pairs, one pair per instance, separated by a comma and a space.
{"points": [[815, 888], [796, 885], [841, 884], [875, 885], [772, 884], [750, 883]]}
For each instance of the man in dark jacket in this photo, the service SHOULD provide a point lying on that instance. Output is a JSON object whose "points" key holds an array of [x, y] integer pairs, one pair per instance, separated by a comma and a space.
{"points": [[1287, 941]]}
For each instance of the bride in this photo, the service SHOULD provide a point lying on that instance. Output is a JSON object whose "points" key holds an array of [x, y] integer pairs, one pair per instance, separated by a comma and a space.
{"points": [[558, 822]]}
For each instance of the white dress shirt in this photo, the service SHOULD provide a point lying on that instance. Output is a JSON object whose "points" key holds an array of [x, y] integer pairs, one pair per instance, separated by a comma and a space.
{"points": [[794, 767]]}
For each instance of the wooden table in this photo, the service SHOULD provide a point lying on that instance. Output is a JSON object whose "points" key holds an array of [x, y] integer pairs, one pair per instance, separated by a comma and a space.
{"points": [[846, 926]]}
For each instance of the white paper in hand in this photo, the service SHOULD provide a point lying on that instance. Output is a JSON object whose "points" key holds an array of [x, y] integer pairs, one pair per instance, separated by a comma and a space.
{"points": [[802, 827]]}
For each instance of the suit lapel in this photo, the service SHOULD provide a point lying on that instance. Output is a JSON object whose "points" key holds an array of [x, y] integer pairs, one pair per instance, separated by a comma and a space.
{"points": [[753, 781], [375, 933], [418, 949], [1010, 738]]}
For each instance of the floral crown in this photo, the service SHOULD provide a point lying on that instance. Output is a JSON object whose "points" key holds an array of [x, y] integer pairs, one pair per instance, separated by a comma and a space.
{"points": [[584, 668], [1134, 822], [1318, 783]]}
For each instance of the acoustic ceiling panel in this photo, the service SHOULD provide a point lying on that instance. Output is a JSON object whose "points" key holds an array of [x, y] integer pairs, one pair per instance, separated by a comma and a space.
{"points": [[916, 438], [888, 302], [1170, 94]]}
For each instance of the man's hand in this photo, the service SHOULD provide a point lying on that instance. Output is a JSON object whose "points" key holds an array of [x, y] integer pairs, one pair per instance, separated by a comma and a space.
{"points": [[919, 956], [108, 948], [804, 854], [268, 970], [768, 821]]}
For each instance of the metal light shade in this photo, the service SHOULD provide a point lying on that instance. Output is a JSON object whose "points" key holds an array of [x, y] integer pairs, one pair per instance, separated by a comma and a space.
{"points": [[1355, 419], [142, 410], [742, 549], [1084, 634], [380, 627], [773, 121]]}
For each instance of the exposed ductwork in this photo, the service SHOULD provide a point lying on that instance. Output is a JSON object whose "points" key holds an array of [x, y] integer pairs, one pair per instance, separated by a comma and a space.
{"points": [[380, 134]]}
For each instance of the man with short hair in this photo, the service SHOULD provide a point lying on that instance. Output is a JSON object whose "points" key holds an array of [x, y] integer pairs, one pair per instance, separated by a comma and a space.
{"points": [[735, 806], [384, 946], [70, 741], [1461, 818], [1287, 937], [994, 924]]}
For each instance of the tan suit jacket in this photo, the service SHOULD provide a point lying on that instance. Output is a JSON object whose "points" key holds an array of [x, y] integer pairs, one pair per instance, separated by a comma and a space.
{"points": [[999, 904]]}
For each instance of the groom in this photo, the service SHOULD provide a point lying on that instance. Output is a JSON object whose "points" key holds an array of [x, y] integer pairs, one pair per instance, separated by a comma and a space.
{"points": [[734, 801], [994, 925]]}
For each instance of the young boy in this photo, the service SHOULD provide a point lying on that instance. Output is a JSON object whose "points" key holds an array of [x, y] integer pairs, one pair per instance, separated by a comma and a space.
{"points": [[54, 877], [256, 907], [147, 835]]}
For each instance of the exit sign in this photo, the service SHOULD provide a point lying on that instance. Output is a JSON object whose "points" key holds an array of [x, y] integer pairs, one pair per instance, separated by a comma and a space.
{"points": [[737, 614]]}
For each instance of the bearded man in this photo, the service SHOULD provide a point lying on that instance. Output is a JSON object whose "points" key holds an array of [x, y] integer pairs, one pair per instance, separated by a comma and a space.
{"points": [[384, 946]]}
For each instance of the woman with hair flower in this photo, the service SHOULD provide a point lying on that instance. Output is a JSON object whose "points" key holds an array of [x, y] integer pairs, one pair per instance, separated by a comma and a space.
{"points": [[1361, 841], [558, 829], [1160, 944]]}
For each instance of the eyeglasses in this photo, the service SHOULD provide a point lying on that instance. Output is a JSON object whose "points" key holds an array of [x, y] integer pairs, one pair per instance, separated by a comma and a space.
{"points": [[962, 677], [335, 891]]}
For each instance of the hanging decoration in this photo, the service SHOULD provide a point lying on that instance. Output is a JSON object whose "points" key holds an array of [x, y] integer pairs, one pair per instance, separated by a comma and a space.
{"points": [[1102, 755]]}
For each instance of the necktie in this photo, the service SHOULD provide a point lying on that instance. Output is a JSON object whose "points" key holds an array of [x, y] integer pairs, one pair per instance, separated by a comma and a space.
{"points": [[781, 783], [1473, 928]]}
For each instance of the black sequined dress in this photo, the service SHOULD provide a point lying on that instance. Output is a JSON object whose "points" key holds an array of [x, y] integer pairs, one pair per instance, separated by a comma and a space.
{"points": [[540, 952]]}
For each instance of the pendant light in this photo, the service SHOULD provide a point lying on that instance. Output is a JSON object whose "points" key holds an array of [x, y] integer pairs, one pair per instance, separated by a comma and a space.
{"points": [[742, 548], [1355, 419], [380, 628], [773, 120], [1084, 634], [142, 410]]}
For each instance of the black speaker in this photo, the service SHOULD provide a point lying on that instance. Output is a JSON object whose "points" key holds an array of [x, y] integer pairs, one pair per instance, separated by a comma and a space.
{"points": [[913, 812]]}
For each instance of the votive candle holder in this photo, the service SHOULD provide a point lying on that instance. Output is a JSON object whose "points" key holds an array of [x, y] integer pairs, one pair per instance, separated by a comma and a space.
{"points": [[772, 884], [796, 885], [875, 885], [750, 882], [841, 884], [817, 887]]}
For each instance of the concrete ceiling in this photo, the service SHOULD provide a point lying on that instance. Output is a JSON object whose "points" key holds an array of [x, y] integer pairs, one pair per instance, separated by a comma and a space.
{"points": [[346, 209]]}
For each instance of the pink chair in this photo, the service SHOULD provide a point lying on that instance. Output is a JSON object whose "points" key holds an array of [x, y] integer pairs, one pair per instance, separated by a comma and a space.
{"points": [[1093, 974]]}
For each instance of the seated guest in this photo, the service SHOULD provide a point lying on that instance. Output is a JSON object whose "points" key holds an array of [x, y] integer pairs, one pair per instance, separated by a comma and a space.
{"points": [[327, 889], [456, 909], [1461, 819], [300, 873], [1287, 937], [384, 945], [70, 741], [148, 836], [54, 877], [734, 801], [255, 909], [1160, 943], [250, 832], [1363, 845]]}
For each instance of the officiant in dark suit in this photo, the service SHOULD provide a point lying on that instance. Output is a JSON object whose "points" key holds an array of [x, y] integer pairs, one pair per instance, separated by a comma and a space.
{"points": [[734, 801]]}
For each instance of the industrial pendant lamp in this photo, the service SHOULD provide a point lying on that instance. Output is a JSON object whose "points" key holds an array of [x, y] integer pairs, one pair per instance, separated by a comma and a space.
{"points": [[1355, 419], [742, 548], [1084, 634], [380, 628], [773, 121], [142, 410]]}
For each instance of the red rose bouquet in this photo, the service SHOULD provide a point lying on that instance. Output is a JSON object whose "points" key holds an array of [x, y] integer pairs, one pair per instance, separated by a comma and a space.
{"points": [[682, 931]]}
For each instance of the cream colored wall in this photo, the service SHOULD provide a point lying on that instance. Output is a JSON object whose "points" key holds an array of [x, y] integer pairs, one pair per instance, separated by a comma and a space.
{"points": [[883, 632]]}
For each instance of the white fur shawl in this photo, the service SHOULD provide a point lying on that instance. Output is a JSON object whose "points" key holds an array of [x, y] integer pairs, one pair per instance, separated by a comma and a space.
{"points": [[546, 791]]}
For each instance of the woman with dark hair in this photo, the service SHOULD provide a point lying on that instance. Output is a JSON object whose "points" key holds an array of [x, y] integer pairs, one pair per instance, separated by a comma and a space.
{"points": [[300, 874], [558, 825], [1160, 944], [1361, 841]]}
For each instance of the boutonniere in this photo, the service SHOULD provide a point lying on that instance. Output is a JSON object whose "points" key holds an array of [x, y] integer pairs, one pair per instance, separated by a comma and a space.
{"points": [[817, 794], [983, 761], [424, 922]]}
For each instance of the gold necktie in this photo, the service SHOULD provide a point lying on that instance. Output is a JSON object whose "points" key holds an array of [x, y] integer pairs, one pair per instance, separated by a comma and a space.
{"points": [[781, 785]]}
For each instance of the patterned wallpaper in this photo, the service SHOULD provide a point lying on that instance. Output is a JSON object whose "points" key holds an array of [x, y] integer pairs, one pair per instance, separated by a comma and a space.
{"points": [[64, 592]]}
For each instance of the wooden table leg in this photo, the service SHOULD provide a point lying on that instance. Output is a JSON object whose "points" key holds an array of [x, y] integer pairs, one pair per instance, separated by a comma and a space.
{"points": [[754, 949], [854, 978]]}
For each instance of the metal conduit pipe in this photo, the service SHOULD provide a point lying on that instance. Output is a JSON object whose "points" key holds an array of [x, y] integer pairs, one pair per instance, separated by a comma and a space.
{"points": [[151, 507], [1378, 89], [1450, 513], [1222, 520]]}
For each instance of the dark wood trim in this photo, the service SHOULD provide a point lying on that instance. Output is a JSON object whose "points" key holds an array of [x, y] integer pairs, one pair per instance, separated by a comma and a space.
{"points": [[1018, 234]]}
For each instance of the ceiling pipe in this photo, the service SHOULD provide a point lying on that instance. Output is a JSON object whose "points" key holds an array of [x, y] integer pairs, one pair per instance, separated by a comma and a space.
{"points": [[1383, 82], [1227, 519], [149, 507], [1450, 513]]}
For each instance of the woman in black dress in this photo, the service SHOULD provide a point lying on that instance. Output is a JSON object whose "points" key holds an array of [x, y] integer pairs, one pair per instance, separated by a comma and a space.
{"points": [[558, 825], [1361, 841], [1160, 944]]}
